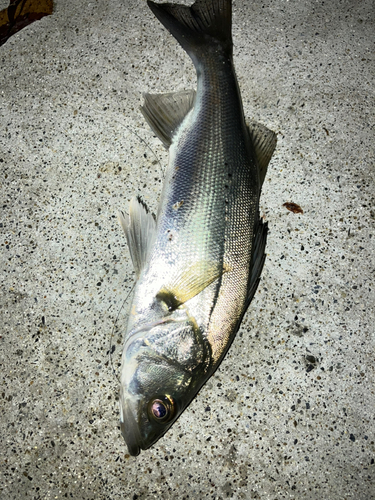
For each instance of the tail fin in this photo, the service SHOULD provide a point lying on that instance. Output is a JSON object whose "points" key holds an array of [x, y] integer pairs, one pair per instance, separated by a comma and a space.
{"points": [[204, 23]]}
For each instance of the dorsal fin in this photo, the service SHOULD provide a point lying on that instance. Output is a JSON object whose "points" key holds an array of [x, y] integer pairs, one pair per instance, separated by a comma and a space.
{"points": [[139, 227], [264, 141], [165, 112]]}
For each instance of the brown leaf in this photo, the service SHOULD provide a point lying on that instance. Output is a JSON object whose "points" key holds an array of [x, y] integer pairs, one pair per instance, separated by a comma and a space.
{"points": [[21, 13], [293, 207]]}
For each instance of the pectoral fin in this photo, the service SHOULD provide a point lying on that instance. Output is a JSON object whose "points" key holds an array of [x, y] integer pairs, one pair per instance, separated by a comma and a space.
{"points": [[139, 227], [165, 112], [189, 282], [264, 142]]}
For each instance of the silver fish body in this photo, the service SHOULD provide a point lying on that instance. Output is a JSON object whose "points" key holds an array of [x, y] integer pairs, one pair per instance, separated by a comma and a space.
{"points": [[198, 264]]}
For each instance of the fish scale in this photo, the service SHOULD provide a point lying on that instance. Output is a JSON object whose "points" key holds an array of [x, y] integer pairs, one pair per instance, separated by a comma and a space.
{"points": [[199, 263]]}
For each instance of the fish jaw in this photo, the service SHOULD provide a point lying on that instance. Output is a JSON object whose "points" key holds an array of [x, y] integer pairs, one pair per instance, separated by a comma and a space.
{"points": [[139, 431], [129, 427], [137, 427]]}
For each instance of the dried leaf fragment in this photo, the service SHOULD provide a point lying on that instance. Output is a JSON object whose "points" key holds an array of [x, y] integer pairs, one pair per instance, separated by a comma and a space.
{"points": [[21, 13], [293, 207]]}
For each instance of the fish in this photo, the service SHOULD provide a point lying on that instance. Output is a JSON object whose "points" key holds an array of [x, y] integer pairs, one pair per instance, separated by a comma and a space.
{"points": [[198, 261]]}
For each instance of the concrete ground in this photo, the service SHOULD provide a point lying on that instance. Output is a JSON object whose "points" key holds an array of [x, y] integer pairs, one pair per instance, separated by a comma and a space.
{"points": [[290, 412]]}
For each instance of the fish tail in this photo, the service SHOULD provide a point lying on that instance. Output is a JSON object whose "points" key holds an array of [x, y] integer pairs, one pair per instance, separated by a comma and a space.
{"points": [[207, 23]]}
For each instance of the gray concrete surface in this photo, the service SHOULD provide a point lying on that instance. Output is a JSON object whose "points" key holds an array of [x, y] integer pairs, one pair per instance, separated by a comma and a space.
{"points": [[290, 412]]}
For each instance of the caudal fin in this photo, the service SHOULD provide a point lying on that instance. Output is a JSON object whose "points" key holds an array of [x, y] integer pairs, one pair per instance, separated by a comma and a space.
{"points": [[206, 22]]}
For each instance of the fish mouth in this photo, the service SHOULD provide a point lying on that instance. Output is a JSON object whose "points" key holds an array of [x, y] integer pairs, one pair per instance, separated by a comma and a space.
{"points": [[130, 430]]}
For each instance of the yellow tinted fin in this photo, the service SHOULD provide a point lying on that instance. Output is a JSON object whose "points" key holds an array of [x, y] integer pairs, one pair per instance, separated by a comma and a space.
{"points": [[264, 142], [188, 283]]}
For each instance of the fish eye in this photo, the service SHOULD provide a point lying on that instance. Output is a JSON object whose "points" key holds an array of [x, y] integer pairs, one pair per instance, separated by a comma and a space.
{"points": [[161, 409]]}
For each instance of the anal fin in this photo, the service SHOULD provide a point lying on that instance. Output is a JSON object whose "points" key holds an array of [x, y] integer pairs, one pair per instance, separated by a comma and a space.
{"points": [[257, 259]]}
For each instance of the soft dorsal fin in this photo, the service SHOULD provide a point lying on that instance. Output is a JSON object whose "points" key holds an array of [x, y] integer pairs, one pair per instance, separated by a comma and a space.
{"points": [[139, 227], [189, 282], [264, 141], [165, 112]]}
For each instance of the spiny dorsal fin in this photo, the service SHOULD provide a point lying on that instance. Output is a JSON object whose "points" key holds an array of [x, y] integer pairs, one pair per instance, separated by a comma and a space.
{"points": [[165, 112], [139, 227], [264, 141], [189, 282]]}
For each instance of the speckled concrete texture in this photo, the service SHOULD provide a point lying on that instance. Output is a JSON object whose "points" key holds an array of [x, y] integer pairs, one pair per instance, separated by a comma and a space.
{"points": [[290, 412]]}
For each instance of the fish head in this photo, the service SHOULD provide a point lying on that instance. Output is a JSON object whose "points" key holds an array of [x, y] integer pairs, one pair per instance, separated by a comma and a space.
{"points": [[161, 372]]}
